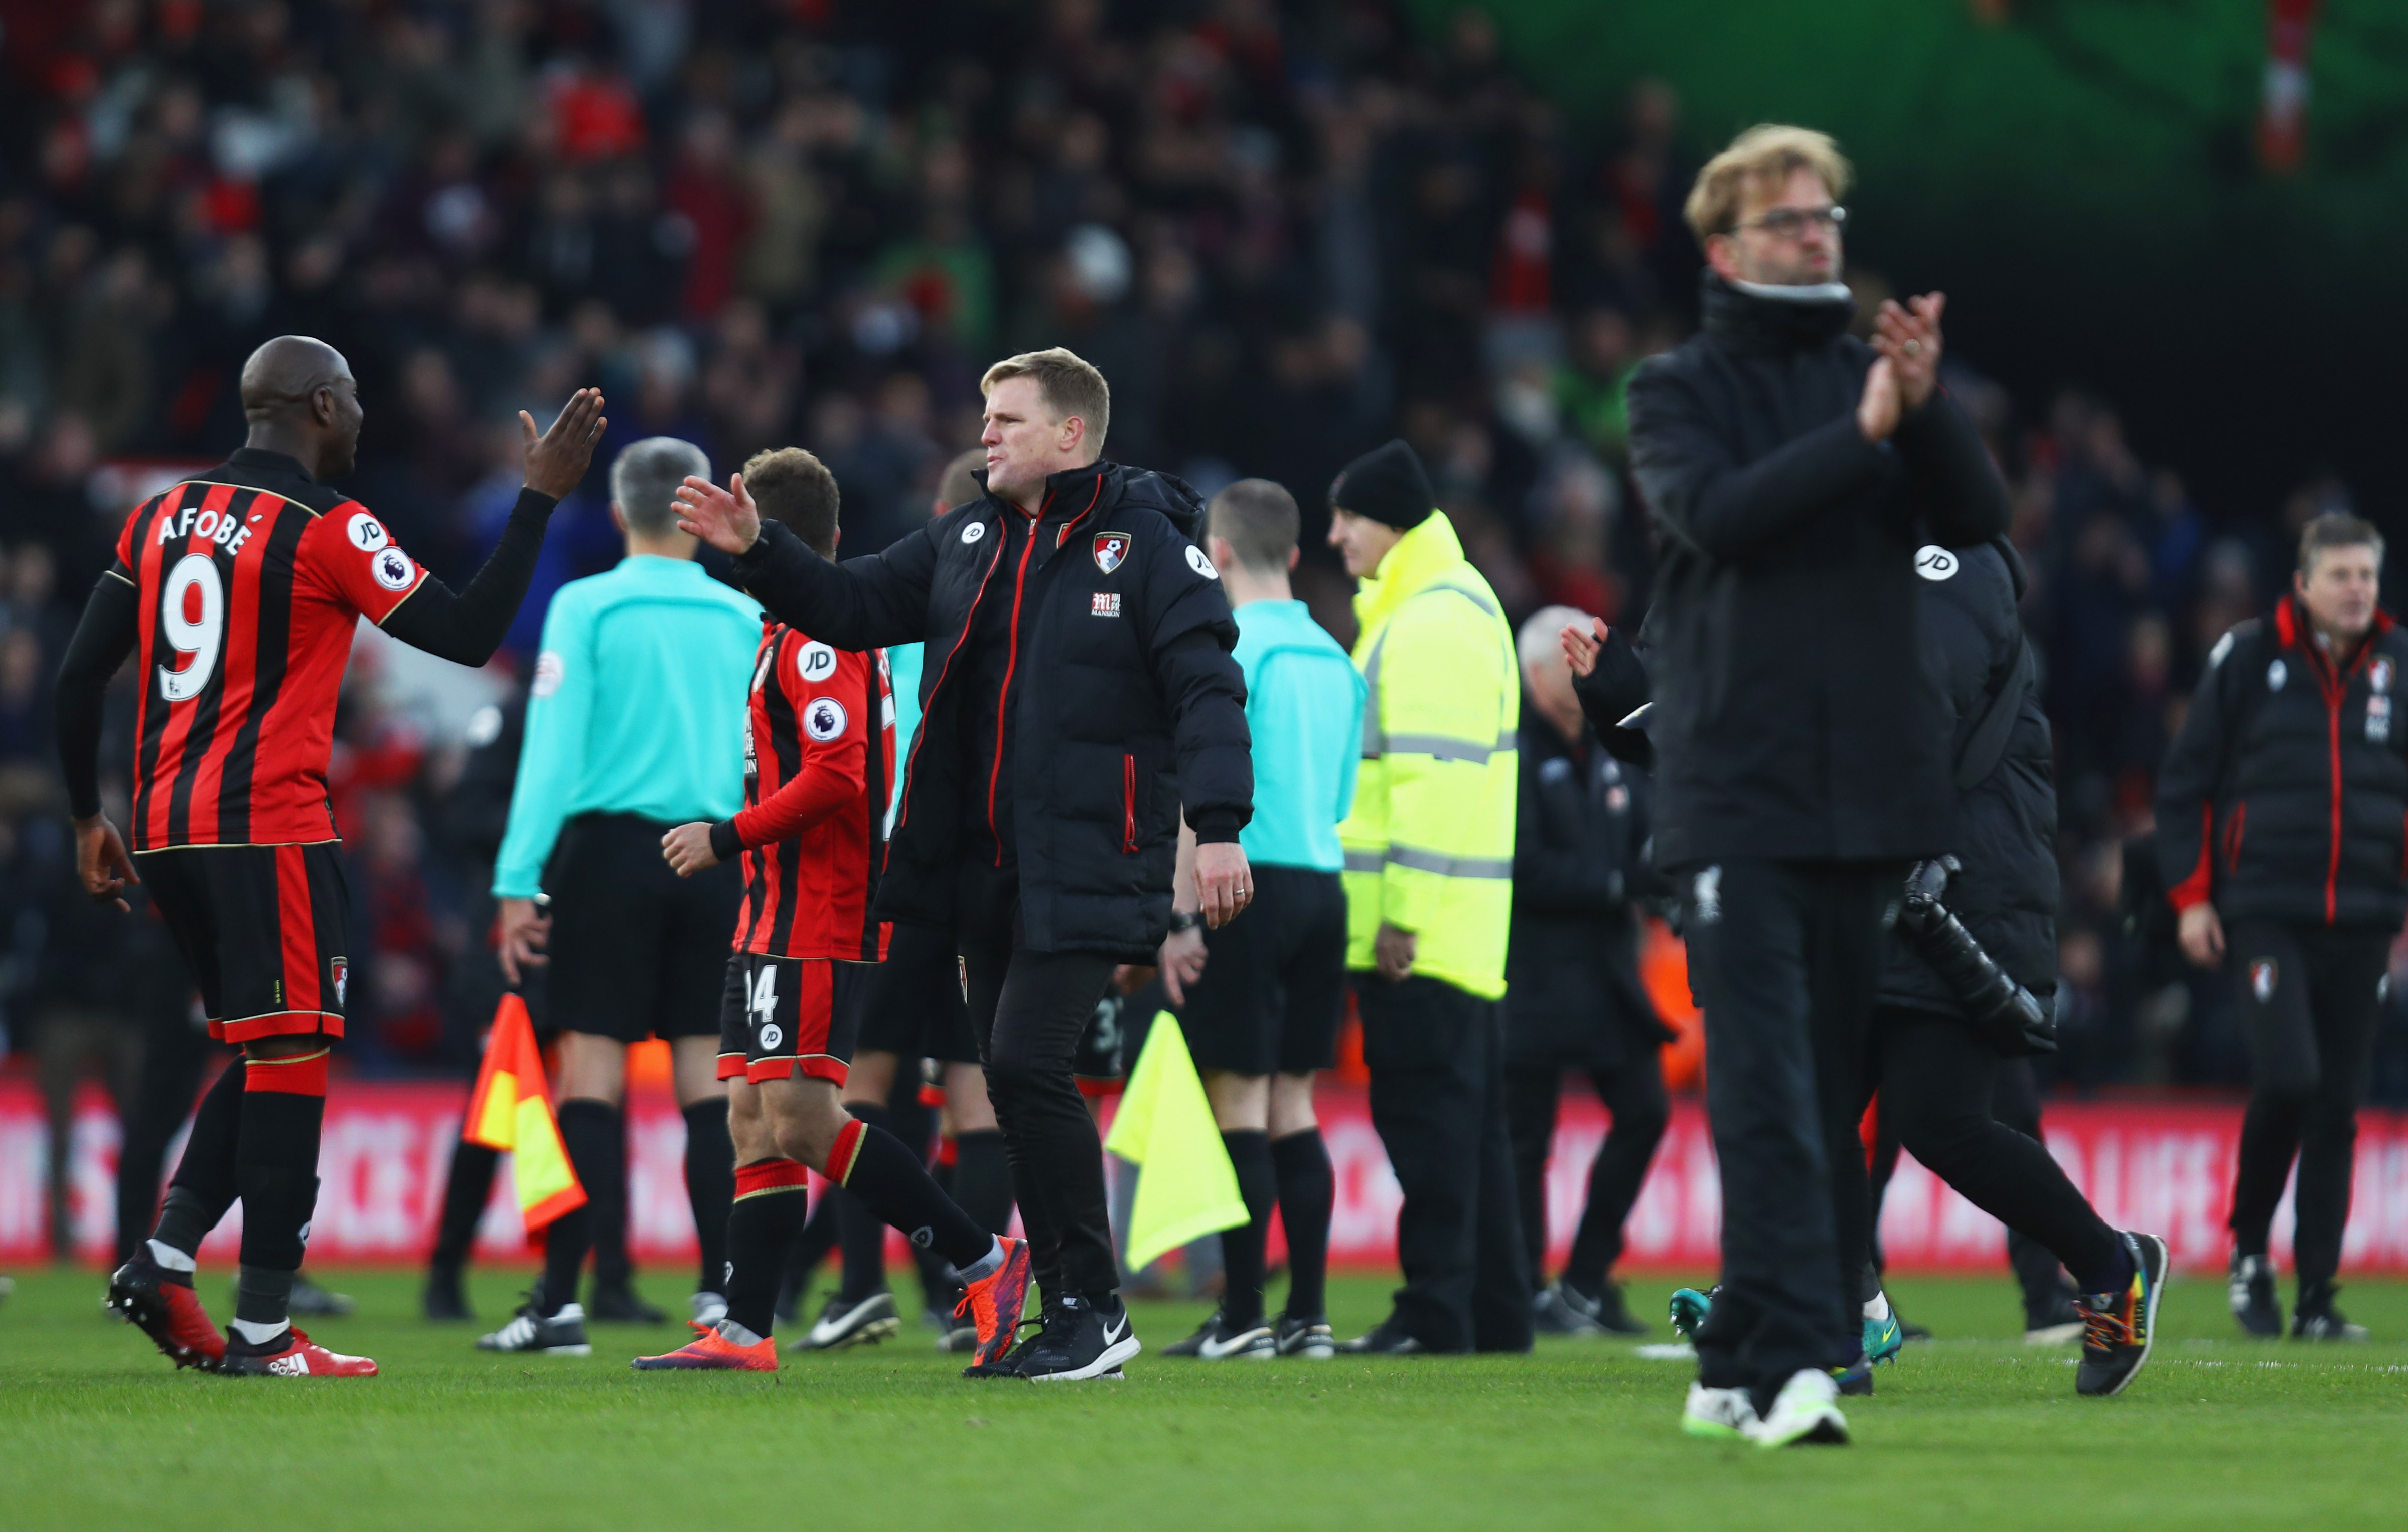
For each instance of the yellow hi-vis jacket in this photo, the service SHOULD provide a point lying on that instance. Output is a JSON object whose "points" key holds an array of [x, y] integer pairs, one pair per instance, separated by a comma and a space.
{"points": [[1429, 847]]}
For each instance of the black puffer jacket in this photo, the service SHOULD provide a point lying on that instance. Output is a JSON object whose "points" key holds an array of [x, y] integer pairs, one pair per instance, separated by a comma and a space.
{"points": [[1127, 698], [1573, 996], [2005, 830], [2285, 794], [1793, 715]]}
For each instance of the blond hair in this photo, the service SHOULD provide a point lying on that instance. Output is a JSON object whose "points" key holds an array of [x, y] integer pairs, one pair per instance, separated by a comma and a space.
{"points": [[1766, 154], [1068, 383]]}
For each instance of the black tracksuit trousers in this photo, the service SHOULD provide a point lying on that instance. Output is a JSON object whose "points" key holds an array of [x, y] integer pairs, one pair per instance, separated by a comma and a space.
{"points": [[1785, 960], [2015, 1102], [1436, 1054], [2310, 996], [1634, 1094], [1027, 1011], [1937, 1085]]}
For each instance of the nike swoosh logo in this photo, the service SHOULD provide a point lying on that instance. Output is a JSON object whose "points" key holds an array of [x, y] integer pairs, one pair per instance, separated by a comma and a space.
{"points": [[1112, 1333]]}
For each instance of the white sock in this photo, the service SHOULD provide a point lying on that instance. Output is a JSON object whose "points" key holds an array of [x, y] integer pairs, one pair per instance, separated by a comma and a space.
{"points": [[1877, 1307], [172, 1258], [984, 1267], [258, 1334], [736, 1334]]}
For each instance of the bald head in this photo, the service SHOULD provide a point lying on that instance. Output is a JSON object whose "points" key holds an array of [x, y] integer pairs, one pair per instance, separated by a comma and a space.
{"points": [[301, 400]]}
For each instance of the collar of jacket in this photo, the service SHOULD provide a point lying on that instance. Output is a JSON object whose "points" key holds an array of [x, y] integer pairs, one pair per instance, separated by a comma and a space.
{"points": [[1751, 323], [1104, 484], [1419, 560], [2292, 629]]}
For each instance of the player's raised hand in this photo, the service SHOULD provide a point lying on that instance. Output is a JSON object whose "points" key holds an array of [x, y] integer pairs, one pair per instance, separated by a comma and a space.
{"points": [[1581, 644], [1908, 336], [101, 861], [1877, 412], [725, 519], [687, 848], [556, 461]]}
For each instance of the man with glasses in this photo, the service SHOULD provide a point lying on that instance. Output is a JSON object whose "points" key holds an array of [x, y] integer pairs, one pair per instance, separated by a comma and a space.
{"points": [[1802, 748]]}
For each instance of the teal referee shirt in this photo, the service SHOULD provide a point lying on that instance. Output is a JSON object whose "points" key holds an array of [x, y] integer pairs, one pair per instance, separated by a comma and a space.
{"points": [[638, 707]]}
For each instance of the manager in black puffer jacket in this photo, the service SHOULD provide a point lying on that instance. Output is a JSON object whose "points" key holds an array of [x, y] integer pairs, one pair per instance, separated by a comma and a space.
{"points": [[1078, 687], [1801, 753], [2283, 809]]}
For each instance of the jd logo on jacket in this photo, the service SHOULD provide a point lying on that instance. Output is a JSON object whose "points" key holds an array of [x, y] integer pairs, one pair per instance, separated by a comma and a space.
{"points": [[1933, 562], [1110, 549]]}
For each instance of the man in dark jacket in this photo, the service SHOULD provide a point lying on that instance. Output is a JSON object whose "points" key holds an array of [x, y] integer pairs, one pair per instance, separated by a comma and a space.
{"points": [[1800, 743], [2282, 808], [1936, 1075], [1079, 689], [1574, 1001]]}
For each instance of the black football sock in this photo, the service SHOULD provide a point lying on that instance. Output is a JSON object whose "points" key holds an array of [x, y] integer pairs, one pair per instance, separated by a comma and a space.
{"points": [[589, 1130], [982, 1178], [771, 1199], [891, 1181], [1242, 1247], [606, 1202], [203, 1187], [860, 1233], [467, 1188], [709, 1187], [1307, 1188], [276, 1173], [812, 1242]]}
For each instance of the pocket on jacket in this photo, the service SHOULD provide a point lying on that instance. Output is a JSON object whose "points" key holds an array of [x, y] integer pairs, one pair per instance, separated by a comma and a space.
{"points": [[1129, 805]]}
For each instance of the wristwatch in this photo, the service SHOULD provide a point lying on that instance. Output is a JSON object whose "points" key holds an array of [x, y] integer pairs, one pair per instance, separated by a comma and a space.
{"points": [[1184, 919]]}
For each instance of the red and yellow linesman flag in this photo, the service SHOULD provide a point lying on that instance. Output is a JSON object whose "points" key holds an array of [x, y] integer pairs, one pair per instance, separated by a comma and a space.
{"points": [[509, 1110]]}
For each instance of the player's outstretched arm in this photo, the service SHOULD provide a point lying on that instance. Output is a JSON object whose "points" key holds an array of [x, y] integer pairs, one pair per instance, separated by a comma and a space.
{"points": [[861, 603], [467, 626], [101, 640]]}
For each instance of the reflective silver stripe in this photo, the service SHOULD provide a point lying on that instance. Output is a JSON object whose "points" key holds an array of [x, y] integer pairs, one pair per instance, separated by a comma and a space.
{"points": [[1442, 747], [1364, 861], [1418, 860]]}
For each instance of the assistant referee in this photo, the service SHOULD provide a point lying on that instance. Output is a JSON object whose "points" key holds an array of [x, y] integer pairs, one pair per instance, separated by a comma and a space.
{"points": [[633, 726]]}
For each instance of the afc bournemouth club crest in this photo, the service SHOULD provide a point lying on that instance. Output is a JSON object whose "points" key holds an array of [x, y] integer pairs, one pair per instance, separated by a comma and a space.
{"points": [[2261, 979], [340, 971], [1110, 549]]}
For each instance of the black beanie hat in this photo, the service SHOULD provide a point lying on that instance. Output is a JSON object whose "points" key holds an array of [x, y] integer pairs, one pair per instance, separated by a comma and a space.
{"points": [[1387, 484]]}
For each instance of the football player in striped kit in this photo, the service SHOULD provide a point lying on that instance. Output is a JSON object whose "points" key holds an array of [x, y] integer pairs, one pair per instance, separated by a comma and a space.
{"points": [[819, 751]]}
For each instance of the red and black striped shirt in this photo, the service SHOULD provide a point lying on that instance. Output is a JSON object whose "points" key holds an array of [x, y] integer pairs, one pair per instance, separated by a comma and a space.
{"points": [[249, 583], [818, 753]]}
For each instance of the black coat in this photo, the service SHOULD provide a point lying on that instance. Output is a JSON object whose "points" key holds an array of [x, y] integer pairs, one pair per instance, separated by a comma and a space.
{"points": [[1128, 699], [2247, 808], [1574, 995], [2005, 830], [1793, 716]]}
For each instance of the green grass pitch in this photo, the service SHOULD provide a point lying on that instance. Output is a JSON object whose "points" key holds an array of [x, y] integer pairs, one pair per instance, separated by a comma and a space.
{"points": [[1971, 1431]]}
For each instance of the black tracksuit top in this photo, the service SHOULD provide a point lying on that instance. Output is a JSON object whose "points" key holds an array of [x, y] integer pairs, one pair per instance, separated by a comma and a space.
{"points": [[1117, 698], [2286, 794], [1794, 715]]}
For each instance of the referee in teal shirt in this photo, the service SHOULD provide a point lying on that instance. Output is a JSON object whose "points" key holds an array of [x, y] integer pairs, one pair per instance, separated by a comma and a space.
{"points": [[636, 723], [1264, 995]]}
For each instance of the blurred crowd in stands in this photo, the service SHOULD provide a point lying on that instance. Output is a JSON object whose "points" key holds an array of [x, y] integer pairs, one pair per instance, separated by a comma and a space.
{"points": [[1284, 229]]}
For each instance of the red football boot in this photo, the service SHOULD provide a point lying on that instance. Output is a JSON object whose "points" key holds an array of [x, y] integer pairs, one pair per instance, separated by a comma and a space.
{"points": [[710, 1351], [291, 1355], [163, 1305], [993, 1303]]}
